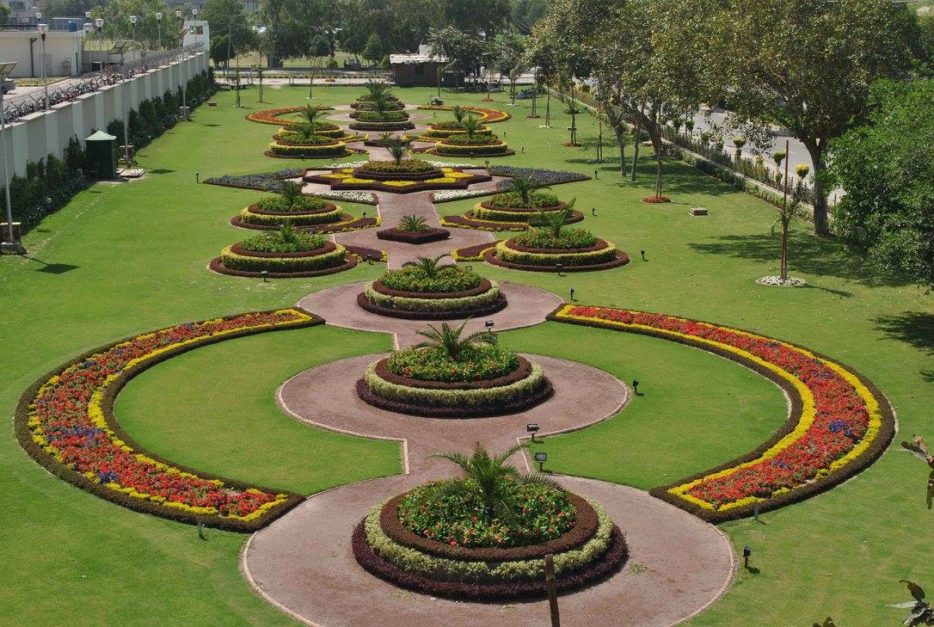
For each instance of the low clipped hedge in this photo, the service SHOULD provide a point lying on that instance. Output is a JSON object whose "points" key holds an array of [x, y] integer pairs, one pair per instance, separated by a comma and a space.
{"points": [[360, 125], [492, 149], [482, 211], [436, 132], [329, 256], [413, 237], [321, 151], [511, 252], [454, 403], [513, 201], [391, 105], [296, 219], [295, 138], [486, 302], [374, 116], [610, 563], [302, 204]]}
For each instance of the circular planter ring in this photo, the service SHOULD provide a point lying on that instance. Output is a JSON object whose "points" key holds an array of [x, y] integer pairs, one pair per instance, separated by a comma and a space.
{"points": [[484, 286], [522, 371], [583, 530], [610, 563], [621, 260], [323, 250], [495, 307], [513, 245], [218, 266], [346, 223], [413, 237], [421, 175], [328, 207], [486, 204]]}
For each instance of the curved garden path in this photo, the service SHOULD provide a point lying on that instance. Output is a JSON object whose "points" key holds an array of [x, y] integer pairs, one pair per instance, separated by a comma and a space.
{"points": [[303, 563]]}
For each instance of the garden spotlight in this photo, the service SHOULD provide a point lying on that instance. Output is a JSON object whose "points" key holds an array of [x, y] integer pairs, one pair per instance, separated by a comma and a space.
{"points": [[532, 428], [635, 386], [747, 553], [541, 457], [642, 252]]}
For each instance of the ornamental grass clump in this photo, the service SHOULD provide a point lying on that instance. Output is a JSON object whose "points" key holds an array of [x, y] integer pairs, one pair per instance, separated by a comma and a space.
{"points": [[492, 505]]}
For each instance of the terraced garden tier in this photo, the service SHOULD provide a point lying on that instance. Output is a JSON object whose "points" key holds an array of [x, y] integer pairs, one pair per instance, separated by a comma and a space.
{"points": [[512, 254], [593, 549], [327, 259], [331, 148], [490, 147], [382, 126], [413, 237], [521, 389], [482, 300], [500, 220]]}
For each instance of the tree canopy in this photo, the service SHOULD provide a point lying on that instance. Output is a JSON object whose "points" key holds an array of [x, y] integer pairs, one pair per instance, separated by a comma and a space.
{"points": [[887, 169]]}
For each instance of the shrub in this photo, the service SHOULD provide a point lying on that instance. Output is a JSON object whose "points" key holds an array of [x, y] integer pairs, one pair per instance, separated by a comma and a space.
{"points": [[413, 224], [447, 279], [570, 239], [287, 240], [437, 305], [385, 116], [301, 204], [604, 255], [507, 200], [337, 149], [283, 265], [454, 150], [298, 219], [473, 363], [406, 166]]}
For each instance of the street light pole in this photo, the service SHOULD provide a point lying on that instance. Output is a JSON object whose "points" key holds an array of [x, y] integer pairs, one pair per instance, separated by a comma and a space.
{"points": [[159, 28], [99, 23], [43, 30]]}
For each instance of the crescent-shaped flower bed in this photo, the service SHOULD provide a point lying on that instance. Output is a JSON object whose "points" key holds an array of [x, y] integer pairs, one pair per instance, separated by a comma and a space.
{"points": [[313, 147], [283, 254], [573, 250], [839, 422], [287, 133], [443, 130], [65, 422], [274, 212], [505, 212], [279, 116], [392, 120], [437, 540], [455, 293], [483, 380], [398, 182], [487, 116]]}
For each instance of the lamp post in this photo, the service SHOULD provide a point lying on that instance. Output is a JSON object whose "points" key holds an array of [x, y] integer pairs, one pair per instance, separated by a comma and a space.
{"points": [[133, 19], [99, 23], [43, 31], [178, 14], [159, 28], [11, 244]]}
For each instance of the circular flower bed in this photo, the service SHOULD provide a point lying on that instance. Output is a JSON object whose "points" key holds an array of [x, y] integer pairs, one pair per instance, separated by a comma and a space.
{"points": [[464, 145], [380, 177], [313, 147], [452, 293], [571, 250], [480, 380], [280, 116], [656, 200], [324, 130], [406, 169], [442, 539], [391, 118], [287, 253]]}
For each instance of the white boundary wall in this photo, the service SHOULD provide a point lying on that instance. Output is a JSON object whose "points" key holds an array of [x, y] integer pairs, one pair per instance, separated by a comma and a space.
{"points": [[37, 135]]}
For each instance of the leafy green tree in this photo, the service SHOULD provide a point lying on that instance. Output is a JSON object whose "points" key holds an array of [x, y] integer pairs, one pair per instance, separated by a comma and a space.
{"points": [[465, 50], [477, 16], [449, 340], [373, 50], [807, 65], [5, 13], [887, 169], [227, 23], [116, 14], [510, 59]]}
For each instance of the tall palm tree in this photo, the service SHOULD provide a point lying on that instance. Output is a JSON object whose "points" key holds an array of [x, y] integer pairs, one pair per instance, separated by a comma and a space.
{"points": [[397, 149], [458, 112], [492, 480], [449, 341], [471, 124], [428, 265], [311, 120]]}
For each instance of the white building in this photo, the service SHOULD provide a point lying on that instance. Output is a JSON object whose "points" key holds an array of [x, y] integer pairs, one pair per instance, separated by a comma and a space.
{"points": [[24, 46]]}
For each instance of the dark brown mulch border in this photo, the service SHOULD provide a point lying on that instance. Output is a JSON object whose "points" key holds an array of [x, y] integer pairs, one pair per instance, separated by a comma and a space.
{"points": [[817, 486], [365, 254], [584, 529], [327, 248], [218, 266], [363, 173], [490, 206], [513, 244], [347, 223], [541, 395], [485, 286], [328, 207], [474, 251], [523, 370], [496, 306], [621, 260], [413, 237], [24, 436], [609, 564]]}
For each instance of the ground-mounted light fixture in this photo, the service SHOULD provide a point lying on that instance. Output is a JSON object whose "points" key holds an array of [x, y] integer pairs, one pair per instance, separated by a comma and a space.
{"points": [[541, 457], [635, 386], [532, 428]]}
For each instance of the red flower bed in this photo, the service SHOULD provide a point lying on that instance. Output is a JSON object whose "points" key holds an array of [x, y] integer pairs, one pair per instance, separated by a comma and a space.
{"points": [[839, 422], [271, 116], [656, 200], [65, 422]]}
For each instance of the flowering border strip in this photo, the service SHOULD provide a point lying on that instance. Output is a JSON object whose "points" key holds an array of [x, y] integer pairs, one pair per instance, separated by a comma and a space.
{"points": [[487, 116], [831, 406], [271, 116], [83, 431]]}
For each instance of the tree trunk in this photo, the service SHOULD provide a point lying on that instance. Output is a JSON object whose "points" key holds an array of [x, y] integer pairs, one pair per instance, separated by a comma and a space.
{"points": [[548, 110], [658, 173], [637, 132], [621, 141], [821, 226], [784, 255]]}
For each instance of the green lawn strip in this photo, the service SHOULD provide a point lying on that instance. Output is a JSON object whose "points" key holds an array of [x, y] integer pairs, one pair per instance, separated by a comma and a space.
{"points": [[697, 410], [126, 259], [185, 409]]}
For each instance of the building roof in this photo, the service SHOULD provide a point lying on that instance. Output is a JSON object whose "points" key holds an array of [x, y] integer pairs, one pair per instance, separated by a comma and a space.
{"points": [[422, 56]]}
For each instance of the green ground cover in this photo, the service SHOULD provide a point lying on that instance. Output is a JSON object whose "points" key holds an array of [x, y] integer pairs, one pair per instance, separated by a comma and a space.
{"points": [[122, 259]]}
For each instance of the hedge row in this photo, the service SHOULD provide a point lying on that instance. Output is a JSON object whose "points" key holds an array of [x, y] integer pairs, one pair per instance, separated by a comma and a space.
{"points": [[335, 214], [621, 259], [283, 264], [508, 251], [358, 125], [435, 305], [322, 151], [500, 149]]}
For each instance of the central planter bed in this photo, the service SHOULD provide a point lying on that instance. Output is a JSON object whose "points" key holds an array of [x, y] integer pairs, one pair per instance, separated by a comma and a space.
{"points": [[440, 539], [379, 178], [285, 254], [454, 293], [483, 380], [571, 250], [413, 237]]}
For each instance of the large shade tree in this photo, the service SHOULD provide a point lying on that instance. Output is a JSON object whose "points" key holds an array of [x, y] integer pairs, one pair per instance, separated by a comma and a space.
{"points": [[807, 65], [887, 169]]}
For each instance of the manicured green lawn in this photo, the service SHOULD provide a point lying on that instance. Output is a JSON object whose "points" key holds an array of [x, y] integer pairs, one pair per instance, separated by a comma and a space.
{"points": [[122, 259]]}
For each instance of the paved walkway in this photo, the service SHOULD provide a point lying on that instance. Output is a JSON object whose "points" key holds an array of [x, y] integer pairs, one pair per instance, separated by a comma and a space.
{"points": [[303, 562]]}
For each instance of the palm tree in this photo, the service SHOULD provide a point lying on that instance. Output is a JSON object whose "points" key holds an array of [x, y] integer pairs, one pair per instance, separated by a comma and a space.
{"points": [[471, 124], [492, 480], [525, 187], [429, 266], [449, 341], [413, 224], [458, 112], [288, 234], [377, 89], [554, 221], [397, 149], [291, 191]]}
